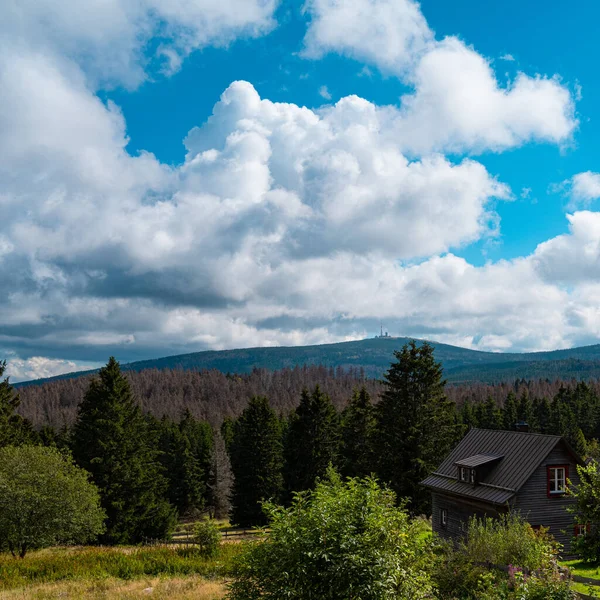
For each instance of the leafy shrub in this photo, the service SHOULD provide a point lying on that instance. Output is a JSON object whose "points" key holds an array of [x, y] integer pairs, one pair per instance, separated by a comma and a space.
{"points": [[587, 511], [208, 537], [471, 571], [45, 499], [509, 540], [342, 540]]}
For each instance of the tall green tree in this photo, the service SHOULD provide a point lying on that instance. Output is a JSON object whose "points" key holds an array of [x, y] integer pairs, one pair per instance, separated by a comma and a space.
{"points": [[312, 441], [256, 461], [186, 489], [416, 425], [510, 412], [489, 416], [357, 428], [112, 440], [14, 429]]}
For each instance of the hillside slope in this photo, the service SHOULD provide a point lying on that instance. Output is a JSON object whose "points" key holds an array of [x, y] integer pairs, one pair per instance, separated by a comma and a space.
{"points": [[374, 356]]}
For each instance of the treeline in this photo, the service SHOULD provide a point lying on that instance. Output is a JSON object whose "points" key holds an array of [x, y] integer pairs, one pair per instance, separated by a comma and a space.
{"points": [[212, 396], [154, 465], [208, 395], [151, 471]]}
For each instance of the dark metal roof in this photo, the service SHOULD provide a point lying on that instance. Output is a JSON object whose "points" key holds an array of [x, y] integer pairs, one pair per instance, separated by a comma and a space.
{"points": [[522, 453], [478, 460], [452, 485]]}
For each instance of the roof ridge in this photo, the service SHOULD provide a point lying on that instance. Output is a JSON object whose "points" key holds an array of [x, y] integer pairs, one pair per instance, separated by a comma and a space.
{"points": [[546, 435]]}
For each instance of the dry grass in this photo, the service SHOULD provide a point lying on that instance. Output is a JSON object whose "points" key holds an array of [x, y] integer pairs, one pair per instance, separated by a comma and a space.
{"points": [[177, 588]]}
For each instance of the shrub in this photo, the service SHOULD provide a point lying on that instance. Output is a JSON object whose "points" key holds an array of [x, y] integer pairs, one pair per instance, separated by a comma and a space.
{"points": [[45, 500], [470, 571], [208, 537], [508, 540], [341, 540]]}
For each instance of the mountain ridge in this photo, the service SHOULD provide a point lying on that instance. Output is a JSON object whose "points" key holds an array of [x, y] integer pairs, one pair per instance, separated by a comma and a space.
{"points": [[374, 356]]}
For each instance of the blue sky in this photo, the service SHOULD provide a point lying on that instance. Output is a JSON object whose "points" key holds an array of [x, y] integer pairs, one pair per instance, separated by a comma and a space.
{"points": [[430, 166]]}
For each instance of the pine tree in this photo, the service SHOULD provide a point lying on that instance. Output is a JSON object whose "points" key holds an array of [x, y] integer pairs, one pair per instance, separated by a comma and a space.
{"points": [[543, 412], [186, 489], [510, 412], [312, 441], [111, 440], [525, 408], [256, 461], [415, 424], [489, 415], [14, 429], [468, 414], [220, 481], [357, 427]]}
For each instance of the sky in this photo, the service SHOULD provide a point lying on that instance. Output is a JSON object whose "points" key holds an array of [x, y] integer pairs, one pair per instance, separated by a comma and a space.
{"points": [[183, 175]]}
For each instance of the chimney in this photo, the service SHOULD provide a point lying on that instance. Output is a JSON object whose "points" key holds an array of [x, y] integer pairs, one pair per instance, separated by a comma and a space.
{"points": [[522, 426]]}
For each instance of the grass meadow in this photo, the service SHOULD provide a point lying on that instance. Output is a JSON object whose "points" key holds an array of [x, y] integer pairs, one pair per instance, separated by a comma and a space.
{"points": [[117, 572]]}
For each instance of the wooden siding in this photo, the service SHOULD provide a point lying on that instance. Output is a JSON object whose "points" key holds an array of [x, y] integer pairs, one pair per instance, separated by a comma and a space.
{"points": [[459, 512], [534, 504]]}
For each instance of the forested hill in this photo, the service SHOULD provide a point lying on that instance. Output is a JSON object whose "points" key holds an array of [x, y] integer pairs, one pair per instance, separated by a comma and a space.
{"points": [[374, 356]]}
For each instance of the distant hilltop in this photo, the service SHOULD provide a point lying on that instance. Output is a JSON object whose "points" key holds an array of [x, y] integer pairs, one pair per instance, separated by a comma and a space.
{"points": [[374, 355]]}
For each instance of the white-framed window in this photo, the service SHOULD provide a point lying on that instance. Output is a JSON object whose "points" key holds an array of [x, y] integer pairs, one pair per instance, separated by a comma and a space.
{"points": [[464, 476], [557, 479], [472, 476], [581, 529], [444, 517]]}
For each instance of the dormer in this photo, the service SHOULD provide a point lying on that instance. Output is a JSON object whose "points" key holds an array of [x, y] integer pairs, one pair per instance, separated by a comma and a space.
{"points": [[475, 468]]}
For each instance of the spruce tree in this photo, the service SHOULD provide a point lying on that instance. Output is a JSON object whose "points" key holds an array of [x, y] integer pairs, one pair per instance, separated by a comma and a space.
{"points": [[543, 416], [415, 424], [489, 415], [256, 461], [112, 440], [312, 441], [510, 412], [525, 408], [14, 429], [186, 489], [357, 427]]}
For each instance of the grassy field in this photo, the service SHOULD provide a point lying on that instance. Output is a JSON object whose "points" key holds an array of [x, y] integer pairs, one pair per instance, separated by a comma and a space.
{"points": [[123, 572], [163, 588]]}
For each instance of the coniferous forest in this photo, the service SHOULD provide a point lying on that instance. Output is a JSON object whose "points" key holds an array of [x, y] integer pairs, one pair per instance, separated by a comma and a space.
{"points": [[161, 445]]}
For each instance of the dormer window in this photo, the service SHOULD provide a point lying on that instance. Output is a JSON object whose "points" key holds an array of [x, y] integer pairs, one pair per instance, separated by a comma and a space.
{"points": [[472, 476], [464, 474]]}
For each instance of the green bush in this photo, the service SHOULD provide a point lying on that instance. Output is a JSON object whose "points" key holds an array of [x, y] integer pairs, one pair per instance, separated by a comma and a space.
{"points": [[508, 540], [45, 500], [208, 537], [470, 571], [342, 540]]}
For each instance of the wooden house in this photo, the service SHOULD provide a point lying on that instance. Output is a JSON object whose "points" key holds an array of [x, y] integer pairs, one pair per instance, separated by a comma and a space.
{"points": [[491, 472]]}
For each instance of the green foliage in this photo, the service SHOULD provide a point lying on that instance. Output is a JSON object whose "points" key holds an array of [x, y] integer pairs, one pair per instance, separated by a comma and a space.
{"points": [[98, 563], [45, 500], [510, 412], [470, 571], [184, 454], [312, 441], [416, 425], [14, 429], [112, 440], [587, 511], [357, 431], [342, 540], [208, 537], [256, 461], [508, 540]]}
